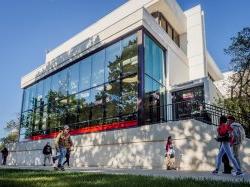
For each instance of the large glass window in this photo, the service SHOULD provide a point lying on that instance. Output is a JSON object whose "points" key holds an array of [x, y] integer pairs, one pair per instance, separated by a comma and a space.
{"points": [[154, 97], [101, 88]]}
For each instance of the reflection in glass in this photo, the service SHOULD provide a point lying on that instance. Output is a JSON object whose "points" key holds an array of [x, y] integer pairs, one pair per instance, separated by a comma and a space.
{"points": [[73, 79], [112, 63], [129, 56], [98, 68], [85, 74], [112, 96]]}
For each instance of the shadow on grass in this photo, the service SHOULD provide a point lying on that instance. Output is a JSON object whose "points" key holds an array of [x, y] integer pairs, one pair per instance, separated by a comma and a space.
{"points": [[29, 178]]}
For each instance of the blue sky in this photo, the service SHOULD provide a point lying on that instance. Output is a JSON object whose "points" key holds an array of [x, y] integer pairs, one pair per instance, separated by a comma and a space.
{"points": [[30, 27]]}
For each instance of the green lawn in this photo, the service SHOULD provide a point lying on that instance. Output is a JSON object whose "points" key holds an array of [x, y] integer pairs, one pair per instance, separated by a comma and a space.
{"points": [[28, 178]]}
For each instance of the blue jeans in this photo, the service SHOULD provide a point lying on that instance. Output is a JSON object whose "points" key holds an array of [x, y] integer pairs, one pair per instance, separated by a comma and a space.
{"points": [[61, 156], [225, 148]]}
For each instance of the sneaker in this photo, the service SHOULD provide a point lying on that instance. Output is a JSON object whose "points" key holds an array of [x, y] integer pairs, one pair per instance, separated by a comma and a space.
{"points": [[239, 174], [62, 168], [215, 172], [44, 165], [56, 168]]}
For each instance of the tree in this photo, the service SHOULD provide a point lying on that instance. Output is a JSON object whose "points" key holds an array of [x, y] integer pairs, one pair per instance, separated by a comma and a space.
{"points": [[239, 50], [12, 128]]}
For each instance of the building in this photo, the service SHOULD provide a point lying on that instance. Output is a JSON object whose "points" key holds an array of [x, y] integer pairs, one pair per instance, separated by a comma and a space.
{"points": [[131, 63], [117, 84]]}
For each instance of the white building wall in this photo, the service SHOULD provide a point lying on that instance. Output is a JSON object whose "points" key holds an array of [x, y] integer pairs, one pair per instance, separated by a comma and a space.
{"points": [[140, 147], [196, 43]]}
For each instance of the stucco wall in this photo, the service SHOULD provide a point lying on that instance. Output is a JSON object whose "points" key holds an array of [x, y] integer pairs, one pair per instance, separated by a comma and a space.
{"points": [[141, 147]]}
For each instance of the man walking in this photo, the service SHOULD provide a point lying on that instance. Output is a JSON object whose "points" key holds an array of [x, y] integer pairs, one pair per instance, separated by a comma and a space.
{"points": [[238, 137], [62, 143], [5, 153], [47, 152]]}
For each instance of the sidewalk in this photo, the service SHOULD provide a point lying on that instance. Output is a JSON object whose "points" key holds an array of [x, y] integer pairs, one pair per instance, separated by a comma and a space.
{"points": [[199, 175]]}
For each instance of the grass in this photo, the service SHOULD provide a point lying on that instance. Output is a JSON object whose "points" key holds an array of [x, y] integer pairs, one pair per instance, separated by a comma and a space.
{"points": [[29, 178]]}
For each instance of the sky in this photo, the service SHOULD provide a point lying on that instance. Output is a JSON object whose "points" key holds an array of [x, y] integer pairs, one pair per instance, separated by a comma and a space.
{"points": [[29, 28]]}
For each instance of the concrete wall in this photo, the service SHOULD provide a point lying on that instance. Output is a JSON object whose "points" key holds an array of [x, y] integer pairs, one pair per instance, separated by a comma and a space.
{"points": [[196, 43], [140, 147]]}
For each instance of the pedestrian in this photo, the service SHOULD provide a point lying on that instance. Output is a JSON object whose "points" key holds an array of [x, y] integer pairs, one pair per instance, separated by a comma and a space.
{"points": [[62, 143], [170, 154], [224, 136], [227, 167], [238, 137], [47, 152], [5, 153], [67, 156]]}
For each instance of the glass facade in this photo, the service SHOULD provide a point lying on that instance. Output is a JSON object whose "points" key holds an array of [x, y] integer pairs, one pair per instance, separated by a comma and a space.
{"points": [[154, 98], [99, 89]]}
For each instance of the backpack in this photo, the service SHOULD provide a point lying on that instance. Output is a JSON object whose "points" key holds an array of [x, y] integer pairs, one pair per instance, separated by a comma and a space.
{"points": [[238, 133]]}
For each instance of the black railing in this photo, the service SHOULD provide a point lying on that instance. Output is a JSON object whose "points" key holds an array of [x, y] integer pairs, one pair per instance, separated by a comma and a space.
{"points": [[192, 109]]}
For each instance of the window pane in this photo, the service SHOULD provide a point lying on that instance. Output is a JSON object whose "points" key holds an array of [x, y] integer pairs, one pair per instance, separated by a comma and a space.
{"points": [[129, 58], [25, 99], [72, 110], [46, 89], [154, 60], [97, 104], [85, 74], [63, 83], [129, 95], [98, 68], [112, 95], [148, 56], [54, 87], [39, 93], [170, 31], [32, 97], [73, 79], [84, 106], [113, 60]]}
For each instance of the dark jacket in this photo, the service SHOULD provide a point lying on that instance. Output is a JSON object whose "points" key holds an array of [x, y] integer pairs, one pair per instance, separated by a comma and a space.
{"points": [[47, 150], [5, 152]]}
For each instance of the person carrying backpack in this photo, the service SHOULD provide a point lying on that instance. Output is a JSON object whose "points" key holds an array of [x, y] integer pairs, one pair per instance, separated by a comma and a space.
{"points": [[224, 136], [238, 137], [47, 152]]}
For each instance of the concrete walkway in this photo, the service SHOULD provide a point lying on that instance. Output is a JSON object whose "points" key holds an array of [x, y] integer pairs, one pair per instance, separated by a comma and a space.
{"points": [[199, 175]]}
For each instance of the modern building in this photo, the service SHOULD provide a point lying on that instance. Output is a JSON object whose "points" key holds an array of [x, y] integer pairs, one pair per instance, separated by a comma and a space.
{"points": [[117, 84], [121, 71]]}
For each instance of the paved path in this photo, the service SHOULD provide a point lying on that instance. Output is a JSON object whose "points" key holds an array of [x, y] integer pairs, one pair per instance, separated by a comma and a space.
{"points": [[199, 175]]}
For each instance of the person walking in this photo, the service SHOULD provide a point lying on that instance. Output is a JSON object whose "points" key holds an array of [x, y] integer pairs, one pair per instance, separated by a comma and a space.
{"points": [[170, 154], [5, 154], [62, 143], [238, 137], [47, 152], [67, 156], [224, 136]]}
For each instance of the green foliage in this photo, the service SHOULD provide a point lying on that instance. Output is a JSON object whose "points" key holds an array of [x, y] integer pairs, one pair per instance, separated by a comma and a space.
{"points": [[19, 178], [12, 128], [239, 100]]}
